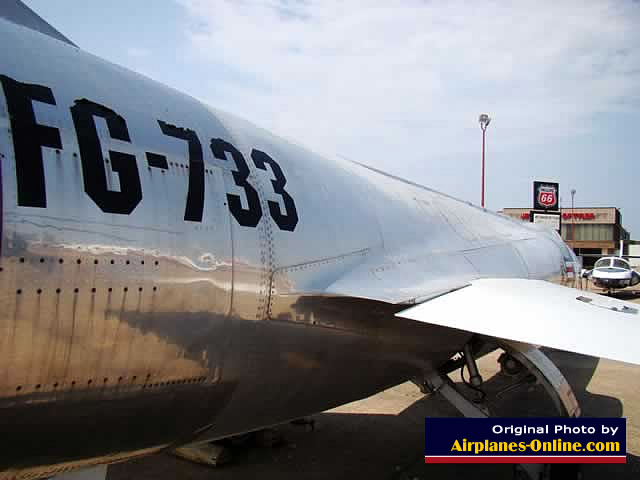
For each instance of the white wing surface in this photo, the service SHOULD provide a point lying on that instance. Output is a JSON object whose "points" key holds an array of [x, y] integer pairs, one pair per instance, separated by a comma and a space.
{"points": [[541, 313]]}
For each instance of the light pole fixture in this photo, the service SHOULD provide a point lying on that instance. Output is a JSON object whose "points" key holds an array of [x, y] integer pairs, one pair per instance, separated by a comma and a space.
{"points": [[573, 218], [484, 120]]}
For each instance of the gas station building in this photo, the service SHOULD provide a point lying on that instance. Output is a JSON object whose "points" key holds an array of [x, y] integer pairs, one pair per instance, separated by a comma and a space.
{"points": [[589, 231]]}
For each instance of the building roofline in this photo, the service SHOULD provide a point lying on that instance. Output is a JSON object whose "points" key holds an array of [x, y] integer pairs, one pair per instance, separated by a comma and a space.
{"points": [[531, 208]]}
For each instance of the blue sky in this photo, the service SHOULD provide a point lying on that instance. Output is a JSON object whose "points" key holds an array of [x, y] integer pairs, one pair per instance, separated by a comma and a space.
{"points": [[400, 88]]}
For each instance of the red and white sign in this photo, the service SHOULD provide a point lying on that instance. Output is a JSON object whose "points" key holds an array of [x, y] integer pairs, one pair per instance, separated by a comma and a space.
{"points": [[547, 196]]}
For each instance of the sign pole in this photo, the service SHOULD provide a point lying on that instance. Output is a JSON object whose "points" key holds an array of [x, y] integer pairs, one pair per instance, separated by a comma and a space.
{"points": [[482, 195], [484, 121]]}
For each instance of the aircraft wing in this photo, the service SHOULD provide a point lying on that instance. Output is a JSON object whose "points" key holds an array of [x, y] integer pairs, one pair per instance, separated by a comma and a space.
{"points": [[540, 313]]}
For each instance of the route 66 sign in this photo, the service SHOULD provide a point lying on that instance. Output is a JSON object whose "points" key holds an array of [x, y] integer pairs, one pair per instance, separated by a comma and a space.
{"points": [[545, 196]]}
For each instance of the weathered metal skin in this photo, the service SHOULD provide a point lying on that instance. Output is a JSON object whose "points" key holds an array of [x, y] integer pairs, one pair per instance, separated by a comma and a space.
{"points": [[121, 334]]}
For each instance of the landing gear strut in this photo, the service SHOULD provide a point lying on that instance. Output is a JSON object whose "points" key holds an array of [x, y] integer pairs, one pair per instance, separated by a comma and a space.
{"points": [[521, 366]]}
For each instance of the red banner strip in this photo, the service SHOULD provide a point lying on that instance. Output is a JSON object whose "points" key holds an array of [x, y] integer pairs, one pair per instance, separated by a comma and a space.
{"points": [[529, 459]]}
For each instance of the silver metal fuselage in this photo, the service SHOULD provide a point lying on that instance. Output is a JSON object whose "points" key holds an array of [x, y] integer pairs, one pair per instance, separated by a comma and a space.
{"points": [[125, 332]]}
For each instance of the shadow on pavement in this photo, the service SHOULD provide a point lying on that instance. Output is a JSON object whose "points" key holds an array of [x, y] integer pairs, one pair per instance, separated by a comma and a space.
{"points": [[381, 446]]}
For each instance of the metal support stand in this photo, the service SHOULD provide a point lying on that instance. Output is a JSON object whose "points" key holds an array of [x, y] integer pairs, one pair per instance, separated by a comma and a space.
{"points": [[212, 454], [94, 473]]}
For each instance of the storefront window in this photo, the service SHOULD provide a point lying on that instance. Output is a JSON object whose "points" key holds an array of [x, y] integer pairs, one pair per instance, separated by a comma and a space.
{"points": [[592, 233]]}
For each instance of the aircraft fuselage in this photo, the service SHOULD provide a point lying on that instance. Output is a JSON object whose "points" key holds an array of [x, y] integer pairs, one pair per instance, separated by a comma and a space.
{"points": [[170, 272]]}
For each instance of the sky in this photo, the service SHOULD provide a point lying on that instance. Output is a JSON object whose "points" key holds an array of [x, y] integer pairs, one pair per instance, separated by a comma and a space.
{"points": [[399, 85]]}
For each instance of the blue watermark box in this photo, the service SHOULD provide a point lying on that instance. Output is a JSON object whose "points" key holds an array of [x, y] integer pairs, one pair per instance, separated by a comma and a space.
{"points": [[525, 440]]}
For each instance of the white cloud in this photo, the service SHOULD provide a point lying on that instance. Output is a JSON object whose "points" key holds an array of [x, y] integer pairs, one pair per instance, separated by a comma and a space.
{"points": [[375, 81]]}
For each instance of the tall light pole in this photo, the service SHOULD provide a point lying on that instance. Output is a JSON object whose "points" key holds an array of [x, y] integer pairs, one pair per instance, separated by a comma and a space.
{"points": [[573, 218], [484, 120]]}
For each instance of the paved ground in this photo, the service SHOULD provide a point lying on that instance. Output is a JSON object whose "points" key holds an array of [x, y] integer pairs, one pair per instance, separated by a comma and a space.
{"points": [[382, 437]]}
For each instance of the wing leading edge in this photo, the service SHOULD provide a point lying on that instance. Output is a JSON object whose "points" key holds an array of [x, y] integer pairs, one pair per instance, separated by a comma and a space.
{"points": [[541, 313]]}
